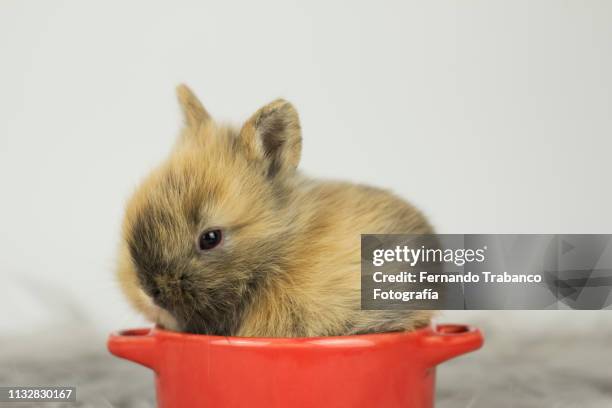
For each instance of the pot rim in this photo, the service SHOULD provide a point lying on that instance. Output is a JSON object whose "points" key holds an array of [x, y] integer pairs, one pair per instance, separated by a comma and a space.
{"points": [[438, 343], [441, 330]]}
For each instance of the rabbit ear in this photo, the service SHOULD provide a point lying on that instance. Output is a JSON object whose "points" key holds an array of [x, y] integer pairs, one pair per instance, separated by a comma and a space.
{"points": [[193, 110], [273, 134]]}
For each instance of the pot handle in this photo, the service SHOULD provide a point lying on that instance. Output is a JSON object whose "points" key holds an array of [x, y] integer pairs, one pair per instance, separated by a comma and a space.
{"points": [[137, 345], [447, 341]]}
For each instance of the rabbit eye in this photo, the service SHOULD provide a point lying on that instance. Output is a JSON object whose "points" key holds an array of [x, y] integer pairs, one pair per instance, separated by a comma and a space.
{"points": [[210, 239]]}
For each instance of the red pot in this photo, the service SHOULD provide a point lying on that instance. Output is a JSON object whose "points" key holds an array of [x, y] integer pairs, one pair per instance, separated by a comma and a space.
{"points": [[389, 370]]}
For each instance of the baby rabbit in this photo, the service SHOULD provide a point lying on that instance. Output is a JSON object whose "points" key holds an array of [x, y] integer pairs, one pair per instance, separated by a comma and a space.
{"points": [[227, 237]]}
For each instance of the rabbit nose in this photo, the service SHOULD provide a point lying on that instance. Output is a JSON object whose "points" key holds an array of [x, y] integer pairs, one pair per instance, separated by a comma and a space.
{"points": [[155, 292], [166, 290], [159, 298], [163, 298]]}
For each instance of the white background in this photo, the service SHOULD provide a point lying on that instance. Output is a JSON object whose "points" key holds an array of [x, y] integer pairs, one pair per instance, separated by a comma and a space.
{"points": [[493, 117]]}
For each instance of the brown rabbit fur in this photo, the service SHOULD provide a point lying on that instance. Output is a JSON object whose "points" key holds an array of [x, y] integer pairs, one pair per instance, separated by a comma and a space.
{"points": [[289, 261]]}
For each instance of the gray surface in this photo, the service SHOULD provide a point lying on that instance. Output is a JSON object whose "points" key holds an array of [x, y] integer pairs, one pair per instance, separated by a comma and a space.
{"points": [[561, 371]]}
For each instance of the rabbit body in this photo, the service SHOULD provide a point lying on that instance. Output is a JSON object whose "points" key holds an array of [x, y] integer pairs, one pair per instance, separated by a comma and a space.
{"points": [[285, 255]]}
